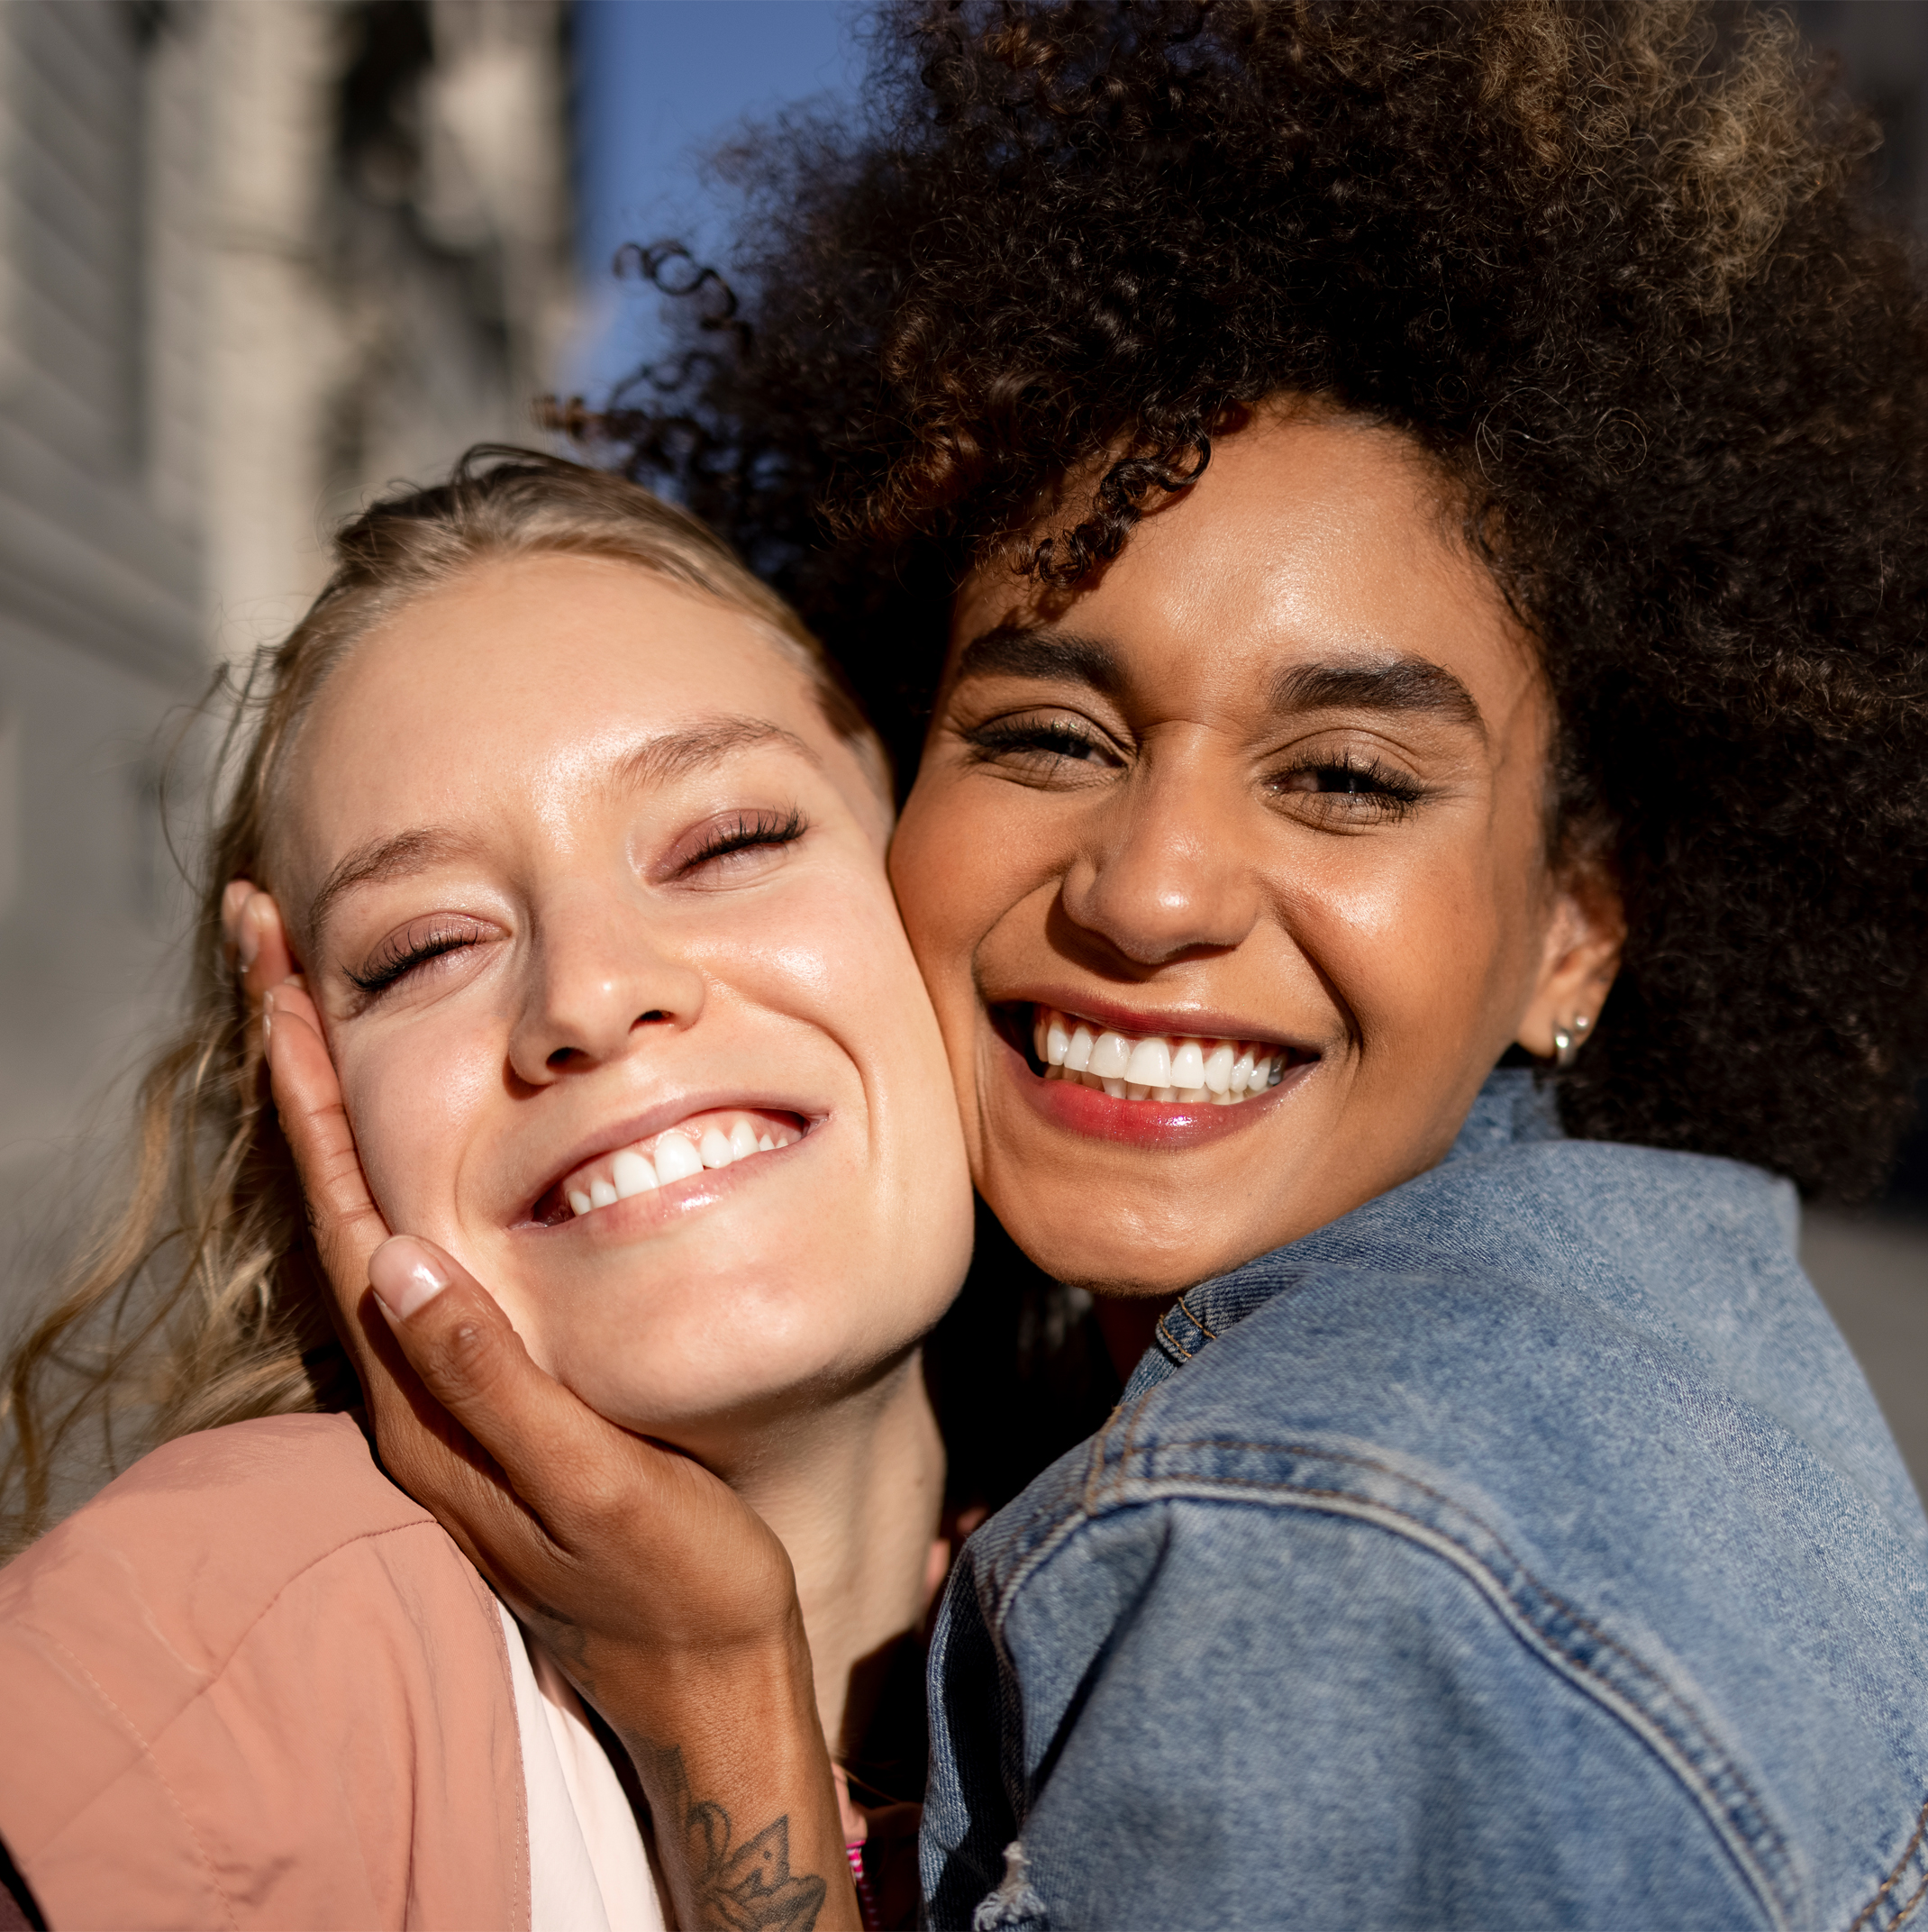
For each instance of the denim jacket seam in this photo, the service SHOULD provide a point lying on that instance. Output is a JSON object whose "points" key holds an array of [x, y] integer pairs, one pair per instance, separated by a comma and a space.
{"points": [[1104, 1493], [1197, 1320], [1166, 1334], [1911, 1853]]}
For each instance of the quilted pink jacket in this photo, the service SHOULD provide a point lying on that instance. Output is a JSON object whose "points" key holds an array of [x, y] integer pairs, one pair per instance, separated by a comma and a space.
{"points": [[252, 1684]]}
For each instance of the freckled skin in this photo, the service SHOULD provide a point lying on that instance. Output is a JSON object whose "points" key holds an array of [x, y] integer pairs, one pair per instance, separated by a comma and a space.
{"points": [[1197, 846], [601, 973]]}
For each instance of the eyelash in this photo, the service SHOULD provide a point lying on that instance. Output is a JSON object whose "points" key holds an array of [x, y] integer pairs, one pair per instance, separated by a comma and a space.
{"points": [[401, 958], [1390, 790], [751, 829], [1002, 738]]}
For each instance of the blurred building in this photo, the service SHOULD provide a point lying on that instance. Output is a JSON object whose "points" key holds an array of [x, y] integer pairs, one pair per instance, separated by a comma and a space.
{"points": [[255, 259]]}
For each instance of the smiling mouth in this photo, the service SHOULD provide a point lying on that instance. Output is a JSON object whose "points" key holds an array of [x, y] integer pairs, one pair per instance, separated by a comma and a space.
{"points": [[1198, 1069], [717, 1137]]}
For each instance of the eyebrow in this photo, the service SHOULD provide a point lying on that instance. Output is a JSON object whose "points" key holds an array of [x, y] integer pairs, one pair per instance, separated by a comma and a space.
{"points": [[1392, 684], [657, 760], [678, 754], [1018, 651]]}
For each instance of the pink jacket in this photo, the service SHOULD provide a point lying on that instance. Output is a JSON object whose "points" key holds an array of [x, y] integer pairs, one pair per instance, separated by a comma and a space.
{"points": [[253, 1684]]}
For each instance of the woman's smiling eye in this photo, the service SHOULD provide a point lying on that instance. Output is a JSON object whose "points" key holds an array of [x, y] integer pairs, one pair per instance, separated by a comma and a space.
{"points": [[1351, 787], [415, 946], [735, 833], [1035, 745]]}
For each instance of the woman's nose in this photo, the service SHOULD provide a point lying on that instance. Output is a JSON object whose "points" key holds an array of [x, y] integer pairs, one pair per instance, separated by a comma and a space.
{"points": [[601, 980], [1164, 872]]}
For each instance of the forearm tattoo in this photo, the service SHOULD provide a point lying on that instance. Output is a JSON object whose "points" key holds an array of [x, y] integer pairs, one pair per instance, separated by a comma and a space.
{"points": [[733, 1888]]}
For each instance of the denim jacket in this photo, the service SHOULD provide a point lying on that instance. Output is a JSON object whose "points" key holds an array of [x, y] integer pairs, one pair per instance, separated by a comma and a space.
{"points": [[1523, 1550]]}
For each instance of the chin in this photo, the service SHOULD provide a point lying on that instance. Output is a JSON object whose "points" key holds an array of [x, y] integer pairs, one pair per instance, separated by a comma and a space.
{"points": [[707, 1364]]}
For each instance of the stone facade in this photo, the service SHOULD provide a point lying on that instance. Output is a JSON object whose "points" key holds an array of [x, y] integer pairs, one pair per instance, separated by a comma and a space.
{"points": [[257, 257]]}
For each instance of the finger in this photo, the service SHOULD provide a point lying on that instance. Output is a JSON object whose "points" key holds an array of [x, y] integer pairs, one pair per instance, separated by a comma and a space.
{"points": [[348, 1224], [234, 895], [260, 948], [557, 1453]]}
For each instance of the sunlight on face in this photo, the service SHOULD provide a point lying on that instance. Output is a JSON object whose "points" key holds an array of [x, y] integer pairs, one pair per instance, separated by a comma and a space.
{"points": [[1227, 870], [593, 903]]}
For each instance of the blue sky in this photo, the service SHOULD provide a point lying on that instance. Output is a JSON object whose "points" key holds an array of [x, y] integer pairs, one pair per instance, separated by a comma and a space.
{"points": [[657, 83]]}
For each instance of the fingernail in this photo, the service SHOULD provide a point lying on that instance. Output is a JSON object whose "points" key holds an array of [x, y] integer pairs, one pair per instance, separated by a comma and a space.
{"points": [[403, 1277], [248, 943]]}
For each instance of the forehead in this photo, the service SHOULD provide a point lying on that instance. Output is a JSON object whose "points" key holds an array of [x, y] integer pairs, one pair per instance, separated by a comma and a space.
{"points": [[1307, 539], [517, 684]]}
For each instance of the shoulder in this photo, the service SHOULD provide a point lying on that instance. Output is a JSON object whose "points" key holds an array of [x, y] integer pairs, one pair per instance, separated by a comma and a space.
{"points": [[234, 1676], [1567, 1477], [207, 1533], [1198, 1711]]}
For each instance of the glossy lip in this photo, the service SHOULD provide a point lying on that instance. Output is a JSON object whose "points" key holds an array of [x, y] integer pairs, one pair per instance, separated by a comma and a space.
{"points": [[1193, 1023], [655, 1120], [1167, 1126]]}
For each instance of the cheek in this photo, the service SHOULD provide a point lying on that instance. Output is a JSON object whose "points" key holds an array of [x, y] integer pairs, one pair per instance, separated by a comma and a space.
{"points": [[1411, 943], [833, 955], [415, 1094], [954, 876]]}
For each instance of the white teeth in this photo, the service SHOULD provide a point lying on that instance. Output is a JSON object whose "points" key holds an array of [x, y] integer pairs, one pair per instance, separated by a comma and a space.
{"points": [[1172, 1067], [632, 1174], [675, 1159]]}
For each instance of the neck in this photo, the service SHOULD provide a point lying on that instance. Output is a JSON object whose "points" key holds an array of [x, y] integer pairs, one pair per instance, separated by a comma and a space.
{"points": [[853, 1492], [1127, 1323]]}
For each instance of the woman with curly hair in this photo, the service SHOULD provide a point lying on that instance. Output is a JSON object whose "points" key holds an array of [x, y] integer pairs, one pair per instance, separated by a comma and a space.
{"points": [[1400, 533]]}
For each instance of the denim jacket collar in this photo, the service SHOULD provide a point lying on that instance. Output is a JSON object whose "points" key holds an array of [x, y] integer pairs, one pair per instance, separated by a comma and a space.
{"points": [[1512, 1109]]}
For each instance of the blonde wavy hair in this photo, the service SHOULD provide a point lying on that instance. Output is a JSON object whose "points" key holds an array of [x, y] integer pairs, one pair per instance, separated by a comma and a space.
{"points": [[198, 1302]]}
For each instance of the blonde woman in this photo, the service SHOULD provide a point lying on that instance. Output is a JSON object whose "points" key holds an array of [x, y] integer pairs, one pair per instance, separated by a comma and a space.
{"points": [[581, 850]]}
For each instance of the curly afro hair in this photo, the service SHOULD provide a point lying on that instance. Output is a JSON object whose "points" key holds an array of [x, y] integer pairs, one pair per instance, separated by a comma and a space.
{"points": [[1610, 264]]}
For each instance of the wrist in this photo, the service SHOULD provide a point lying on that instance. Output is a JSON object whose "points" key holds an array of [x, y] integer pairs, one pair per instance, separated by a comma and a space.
{"points": [[696, 1697]]}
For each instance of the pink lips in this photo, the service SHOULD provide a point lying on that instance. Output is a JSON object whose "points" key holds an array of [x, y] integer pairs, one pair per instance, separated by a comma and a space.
{"points": [[1169, 1124]]}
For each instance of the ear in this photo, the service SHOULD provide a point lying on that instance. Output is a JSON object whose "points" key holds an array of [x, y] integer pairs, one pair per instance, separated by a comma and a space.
{"points": [[1585, 932]]}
